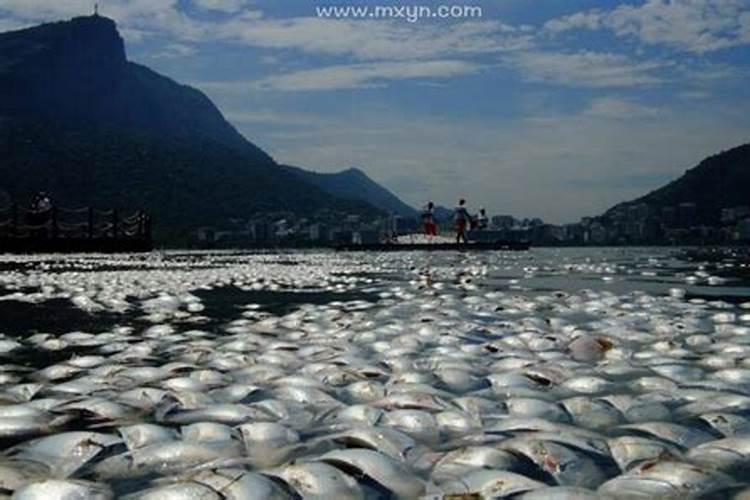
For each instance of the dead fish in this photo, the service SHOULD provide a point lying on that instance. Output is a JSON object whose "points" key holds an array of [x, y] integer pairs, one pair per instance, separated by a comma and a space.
{"points": [[456, 423], [490, 484], [364, 391], [636, 410], [98, 408], [231, 414], [179, 454], [139, 435], [145, 398], [680, 435], [589, 349], [207, 432], [536, 408], [57, 489], [393, 475], [730, 454], [629, 451], [238, 484], [457, 463], [182, 490], [361, 413], [569, 467], [268, 444], [16, 473], [67, 452], [592, 413], [728, 424], [665, 479], [320, 481], [418, 424], [393, 443], [561, 493], [587, 384]]}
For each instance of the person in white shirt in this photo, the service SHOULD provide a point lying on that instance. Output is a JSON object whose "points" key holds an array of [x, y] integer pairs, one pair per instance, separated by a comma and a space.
{"points": [[462, 218]]}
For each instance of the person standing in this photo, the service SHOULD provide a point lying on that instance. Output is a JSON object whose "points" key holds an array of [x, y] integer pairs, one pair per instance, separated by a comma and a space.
{"points": [[461, 217], [428, 220], [482, 220]]}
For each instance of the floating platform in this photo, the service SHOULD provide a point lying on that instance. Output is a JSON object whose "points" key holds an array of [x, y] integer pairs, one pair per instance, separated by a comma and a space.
{"points": [[435, 247], [75, 245]]}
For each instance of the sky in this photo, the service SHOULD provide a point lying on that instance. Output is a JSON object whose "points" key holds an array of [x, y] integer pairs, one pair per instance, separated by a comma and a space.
{"points": [[537, 108]]}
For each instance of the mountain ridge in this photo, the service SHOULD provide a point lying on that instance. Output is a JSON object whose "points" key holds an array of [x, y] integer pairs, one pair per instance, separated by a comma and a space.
{"points": [[92, 128], [718, 181], [354, 183], [96, 86]]}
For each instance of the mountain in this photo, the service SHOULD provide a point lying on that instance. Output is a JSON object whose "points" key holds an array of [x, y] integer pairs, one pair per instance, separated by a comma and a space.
{"points": [[444, 214], [720, 181], [79, 120], [354, 184], [75, 73]]}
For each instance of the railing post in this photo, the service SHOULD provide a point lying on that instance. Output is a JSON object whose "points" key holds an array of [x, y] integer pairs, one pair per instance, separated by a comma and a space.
{"points": [[115, 223], [91, 222], [141, 227], [147, 227], [14, 217], [53, 220]]}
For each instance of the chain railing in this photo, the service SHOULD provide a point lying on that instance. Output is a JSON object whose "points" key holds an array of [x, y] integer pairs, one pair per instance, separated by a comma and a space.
{"points": [[69, 223]]}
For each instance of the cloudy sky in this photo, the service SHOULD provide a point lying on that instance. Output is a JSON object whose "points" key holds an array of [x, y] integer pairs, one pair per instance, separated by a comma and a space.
{"points": [[547, 108]]}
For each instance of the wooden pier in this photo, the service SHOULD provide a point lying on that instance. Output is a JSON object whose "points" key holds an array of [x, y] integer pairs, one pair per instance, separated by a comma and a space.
{"points": [[61, 230]]}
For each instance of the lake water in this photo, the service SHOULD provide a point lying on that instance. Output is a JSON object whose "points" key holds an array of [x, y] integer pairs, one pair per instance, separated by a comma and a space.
{"points": [[593, 372]]}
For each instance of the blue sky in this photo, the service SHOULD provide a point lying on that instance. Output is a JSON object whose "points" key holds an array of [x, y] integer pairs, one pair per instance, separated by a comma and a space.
{"points": [[548, 108]]}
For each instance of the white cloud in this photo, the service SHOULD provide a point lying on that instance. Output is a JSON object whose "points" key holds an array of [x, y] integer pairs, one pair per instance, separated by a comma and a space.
{"points": [[544, 168], [697, 26], [137, 18], [44, 10], [12, 25], [587, 69], [694, 95], [364, 75], [619, 109], [173, 51], [363, 40], [271, 117], [347, 76], [591, 20], [375, 40], [227, 6]]}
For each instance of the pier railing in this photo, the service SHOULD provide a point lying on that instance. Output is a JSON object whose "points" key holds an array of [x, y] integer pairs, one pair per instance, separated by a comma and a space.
{"points": [[57, 223]]}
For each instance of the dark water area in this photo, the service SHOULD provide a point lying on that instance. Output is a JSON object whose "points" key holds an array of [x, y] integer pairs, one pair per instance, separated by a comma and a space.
{"points": [[227, 302], [55, 316]]}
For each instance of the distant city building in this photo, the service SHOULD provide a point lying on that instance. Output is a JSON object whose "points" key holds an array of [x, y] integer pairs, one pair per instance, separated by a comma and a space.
{"points": [[742, 231], [734, 214], [669, 216], [686, 214], [318, 232]]}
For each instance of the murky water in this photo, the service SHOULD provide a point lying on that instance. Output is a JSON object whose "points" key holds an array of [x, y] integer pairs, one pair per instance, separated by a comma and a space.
{"points": [[580, 372]]}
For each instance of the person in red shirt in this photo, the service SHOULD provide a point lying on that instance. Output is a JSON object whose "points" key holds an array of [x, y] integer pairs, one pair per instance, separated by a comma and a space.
{"points": [[428, 220]]}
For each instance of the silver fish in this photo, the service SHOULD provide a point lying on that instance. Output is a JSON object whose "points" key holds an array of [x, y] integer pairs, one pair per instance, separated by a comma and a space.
{"points": [[391, 474], [57, 489]]}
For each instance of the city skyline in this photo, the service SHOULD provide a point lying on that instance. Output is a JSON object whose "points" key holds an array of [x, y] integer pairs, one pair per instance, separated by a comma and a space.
{"points": [[543, 110]]}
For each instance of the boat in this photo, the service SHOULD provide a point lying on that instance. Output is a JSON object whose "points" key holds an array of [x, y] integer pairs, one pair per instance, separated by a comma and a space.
{"points": [[435, 247]]}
